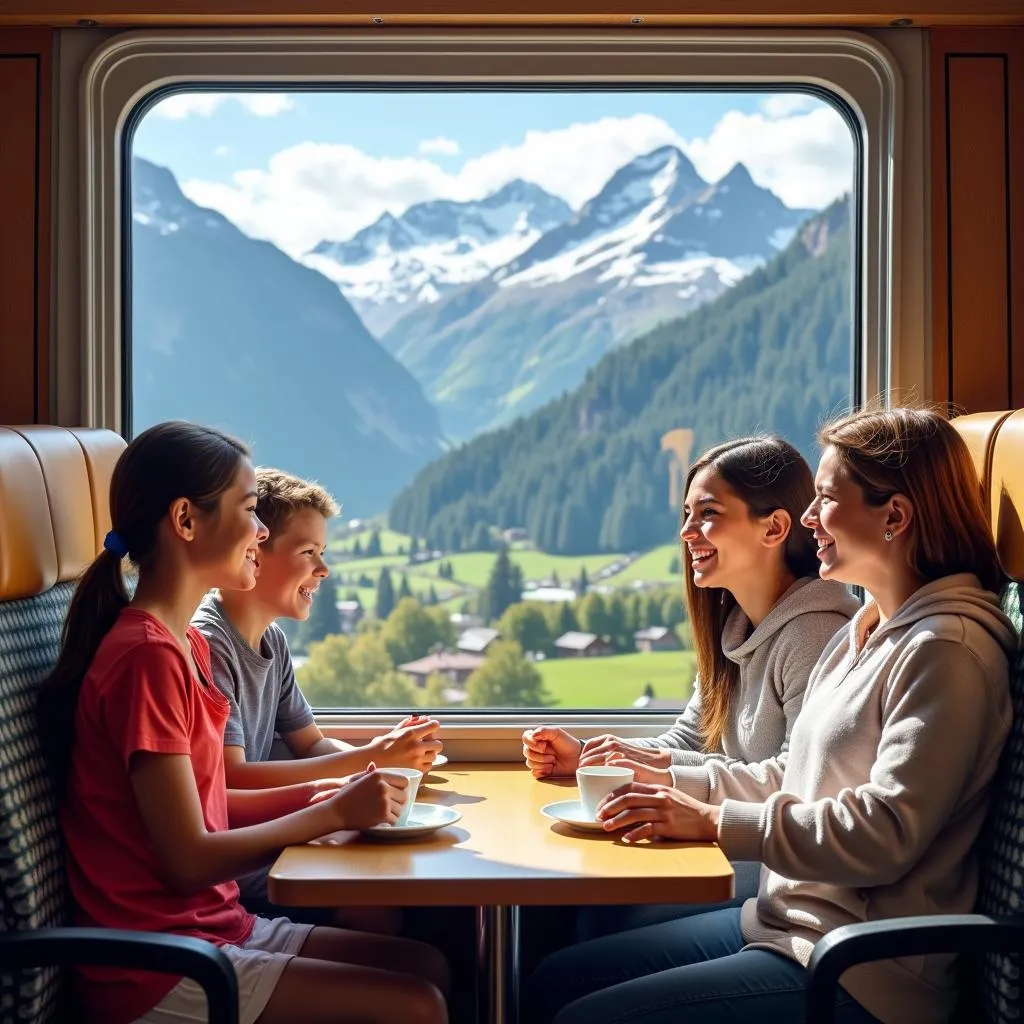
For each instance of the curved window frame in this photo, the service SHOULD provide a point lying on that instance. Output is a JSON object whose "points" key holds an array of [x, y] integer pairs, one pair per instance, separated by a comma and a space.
{"points": [[127, 72]]}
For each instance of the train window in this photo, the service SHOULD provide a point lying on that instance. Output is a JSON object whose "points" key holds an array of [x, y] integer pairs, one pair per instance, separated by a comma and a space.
{"points": [[497, 321]]}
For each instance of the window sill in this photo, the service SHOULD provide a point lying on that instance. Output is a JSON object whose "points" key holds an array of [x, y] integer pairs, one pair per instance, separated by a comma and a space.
{"points": [[494, 735]]}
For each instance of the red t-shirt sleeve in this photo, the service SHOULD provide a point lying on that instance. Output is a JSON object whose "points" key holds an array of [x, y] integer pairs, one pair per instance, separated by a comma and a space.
{"points": [[147, 703]]}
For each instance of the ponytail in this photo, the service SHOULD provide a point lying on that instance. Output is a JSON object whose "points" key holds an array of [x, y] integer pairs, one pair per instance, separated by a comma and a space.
{"points": [[164, 463], [99, 598]]}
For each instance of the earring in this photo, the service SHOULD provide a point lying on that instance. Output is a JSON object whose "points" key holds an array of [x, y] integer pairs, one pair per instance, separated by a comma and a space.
{"points": [[888, 534]]}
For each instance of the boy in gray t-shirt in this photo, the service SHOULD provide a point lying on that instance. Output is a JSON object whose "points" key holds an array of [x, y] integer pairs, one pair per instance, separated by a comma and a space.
{"points": [[252, 666]]}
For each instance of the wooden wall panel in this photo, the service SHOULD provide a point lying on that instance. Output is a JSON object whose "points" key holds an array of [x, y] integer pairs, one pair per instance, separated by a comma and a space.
{"points": [[655, 13], [25, 68], [977, 126]]}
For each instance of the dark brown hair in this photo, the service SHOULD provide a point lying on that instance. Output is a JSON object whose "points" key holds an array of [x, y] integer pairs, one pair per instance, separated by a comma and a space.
{"points": [[166, 462], [766, 473], [918, 453]]}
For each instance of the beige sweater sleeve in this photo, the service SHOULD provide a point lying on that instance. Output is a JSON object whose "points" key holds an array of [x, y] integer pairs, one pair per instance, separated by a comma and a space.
{"points": [[721, 778], [937, 724]]}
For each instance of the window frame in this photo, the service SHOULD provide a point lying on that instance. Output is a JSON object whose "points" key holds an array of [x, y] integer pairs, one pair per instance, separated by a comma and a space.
{"points": [[124, 73]]}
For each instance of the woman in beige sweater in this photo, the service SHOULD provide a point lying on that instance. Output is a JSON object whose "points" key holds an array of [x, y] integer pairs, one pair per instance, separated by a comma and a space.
{"points": [[873, 810], [759, 617]]}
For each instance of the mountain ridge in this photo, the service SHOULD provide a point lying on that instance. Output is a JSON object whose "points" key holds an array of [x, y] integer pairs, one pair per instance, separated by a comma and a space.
{"points": [[656, 242], [584, 472], [216, 318]]}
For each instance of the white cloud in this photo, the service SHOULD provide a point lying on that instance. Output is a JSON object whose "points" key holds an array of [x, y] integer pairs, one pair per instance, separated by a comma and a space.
{"points": [[440, 145], [222, 151], [805, 159], [782, 104], [572, 162], [316, 191], [181, 105]]}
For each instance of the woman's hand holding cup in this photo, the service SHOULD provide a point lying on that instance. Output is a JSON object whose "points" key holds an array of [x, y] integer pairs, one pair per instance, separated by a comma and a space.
{"points": [[658, 812]]}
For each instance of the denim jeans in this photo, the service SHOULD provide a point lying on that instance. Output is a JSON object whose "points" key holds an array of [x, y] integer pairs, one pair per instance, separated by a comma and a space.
{"points": [[595, 922], [679, 972]]}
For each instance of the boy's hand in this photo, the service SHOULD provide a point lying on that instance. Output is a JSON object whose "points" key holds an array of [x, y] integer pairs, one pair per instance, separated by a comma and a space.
{"points": [[369, 798], [550, 751], [414, 746]]}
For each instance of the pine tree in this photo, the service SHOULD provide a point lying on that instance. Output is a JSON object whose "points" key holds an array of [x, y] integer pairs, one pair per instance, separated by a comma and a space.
{"points": [[414, 550], [357, 548], [480, 539], [567, 621], [373, 547], [583, 583], [500, 591], [385, 595], [404, 590], [431, 595]]}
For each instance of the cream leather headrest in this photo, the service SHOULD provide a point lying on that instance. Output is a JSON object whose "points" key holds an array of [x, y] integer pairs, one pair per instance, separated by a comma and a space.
{"points": [[54, 504]]}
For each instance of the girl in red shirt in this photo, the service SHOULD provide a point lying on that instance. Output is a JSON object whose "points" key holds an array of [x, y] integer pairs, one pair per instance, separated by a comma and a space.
{"points": [[135, 729]]}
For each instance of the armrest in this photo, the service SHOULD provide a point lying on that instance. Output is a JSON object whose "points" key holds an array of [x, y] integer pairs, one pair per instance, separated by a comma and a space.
{"points": [[144, 951], [853, 944]]}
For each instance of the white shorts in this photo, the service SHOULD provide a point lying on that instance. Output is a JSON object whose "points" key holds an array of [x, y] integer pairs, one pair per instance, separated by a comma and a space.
{"points": [[258, 965]]}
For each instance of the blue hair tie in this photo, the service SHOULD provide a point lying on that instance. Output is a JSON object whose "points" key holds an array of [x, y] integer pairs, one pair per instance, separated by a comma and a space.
{"points": [[115, 544]]}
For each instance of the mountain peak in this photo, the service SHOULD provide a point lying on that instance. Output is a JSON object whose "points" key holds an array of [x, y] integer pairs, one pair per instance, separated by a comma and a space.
{"points": [[739, 177]]}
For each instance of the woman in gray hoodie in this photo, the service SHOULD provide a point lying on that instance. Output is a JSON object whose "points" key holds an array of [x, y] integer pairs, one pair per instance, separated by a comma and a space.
{"points": [[874, 809], [759, 617]]}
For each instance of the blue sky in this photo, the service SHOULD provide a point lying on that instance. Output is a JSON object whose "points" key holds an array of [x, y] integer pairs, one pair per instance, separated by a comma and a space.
{"points": [[299, 168], [393, 124]]}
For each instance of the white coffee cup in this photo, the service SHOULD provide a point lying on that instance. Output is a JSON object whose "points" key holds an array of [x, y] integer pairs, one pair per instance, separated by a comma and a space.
{"points": [[414, 775], [596, 782]]}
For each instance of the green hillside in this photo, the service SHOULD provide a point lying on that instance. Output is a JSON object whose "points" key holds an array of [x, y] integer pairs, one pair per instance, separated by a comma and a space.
{"points": [[585, 473]]}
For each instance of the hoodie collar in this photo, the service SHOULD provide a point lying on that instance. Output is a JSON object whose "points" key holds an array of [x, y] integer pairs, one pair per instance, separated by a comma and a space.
{"points": [[959, 594], [807, 594]]}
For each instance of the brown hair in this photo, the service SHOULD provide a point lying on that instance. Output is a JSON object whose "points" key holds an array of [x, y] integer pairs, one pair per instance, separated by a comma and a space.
{"points": [[168, 461], [280, 495], [766, 473], [919, 453]]}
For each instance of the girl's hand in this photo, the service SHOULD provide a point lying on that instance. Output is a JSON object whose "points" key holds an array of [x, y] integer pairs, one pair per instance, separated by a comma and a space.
{"points": [[601, 749], [370, 798], [323, 789], [549, 751], [658, 812], [642, 772]]}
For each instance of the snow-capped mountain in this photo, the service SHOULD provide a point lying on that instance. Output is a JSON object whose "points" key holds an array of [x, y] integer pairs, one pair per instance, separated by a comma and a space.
{"points": [[656, 242], [398, 263]]}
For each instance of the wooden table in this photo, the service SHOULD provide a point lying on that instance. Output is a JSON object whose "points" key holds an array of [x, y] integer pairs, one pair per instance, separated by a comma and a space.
{"points": [[502, 855]]}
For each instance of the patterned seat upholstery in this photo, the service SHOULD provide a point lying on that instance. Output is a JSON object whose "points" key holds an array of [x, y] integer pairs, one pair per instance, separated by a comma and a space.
{"points": [[53, 515], [1001, 892]]}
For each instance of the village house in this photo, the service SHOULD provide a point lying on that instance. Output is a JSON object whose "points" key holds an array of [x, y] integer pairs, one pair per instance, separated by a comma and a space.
{"points": [[581, 645], [656, 638], [455, 666], [477, 639]]}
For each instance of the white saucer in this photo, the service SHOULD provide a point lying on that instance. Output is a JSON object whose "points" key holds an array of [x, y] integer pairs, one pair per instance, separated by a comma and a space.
{"points": [[424, 819], [439, 760], [571, 813]]}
